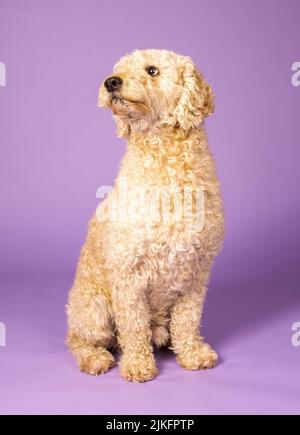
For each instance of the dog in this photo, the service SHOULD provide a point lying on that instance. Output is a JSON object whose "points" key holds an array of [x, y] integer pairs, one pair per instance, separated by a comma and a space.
{"points": [[142, 276]]}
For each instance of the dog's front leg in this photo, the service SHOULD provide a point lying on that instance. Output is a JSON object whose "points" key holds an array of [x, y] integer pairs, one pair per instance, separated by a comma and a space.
{"points": [[192, 352], [133, 327]]}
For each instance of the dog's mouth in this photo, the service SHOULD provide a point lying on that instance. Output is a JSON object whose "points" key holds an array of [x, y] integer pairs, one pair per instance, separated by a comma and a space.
{"points": [[117, 100], [119, 105], [125, 106]]}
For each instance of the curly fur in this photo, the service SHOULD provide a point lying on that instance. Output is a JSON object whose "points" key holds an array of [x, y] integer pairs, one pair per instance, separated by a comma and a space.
{"points": [[141, 283]]}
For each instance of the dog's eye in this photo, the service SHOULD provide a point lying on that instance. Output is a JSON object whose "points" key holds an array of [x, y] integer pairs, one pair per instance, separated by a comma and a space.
{"points": [[152, 70]]}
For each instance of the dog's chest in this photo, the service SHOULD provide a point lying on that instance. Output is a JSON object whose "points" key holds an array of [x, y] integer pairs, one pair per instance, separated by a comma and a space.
{"points": [[177, 265]]}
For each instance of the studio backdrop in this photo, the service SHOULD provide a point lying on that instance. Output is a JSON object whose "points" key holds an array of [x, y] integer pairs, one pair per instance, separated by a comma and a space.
{"points": [[58, 148]]}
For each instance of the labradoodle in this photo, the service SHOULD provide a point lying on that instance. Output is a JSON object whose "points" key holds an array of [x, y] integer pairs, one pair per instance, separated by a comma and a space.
{"points": [[144, 268]]}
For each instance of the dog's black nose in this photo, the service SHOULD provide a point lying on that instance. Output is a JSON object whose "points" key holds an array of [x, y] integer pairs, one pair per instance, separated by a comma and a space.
{"points": [[113, 83]]}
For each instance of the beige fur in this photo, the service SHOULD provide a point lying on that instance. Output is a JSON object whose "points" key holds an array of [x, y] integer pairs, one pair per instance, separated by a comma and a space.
{"points": [[142, 282]]}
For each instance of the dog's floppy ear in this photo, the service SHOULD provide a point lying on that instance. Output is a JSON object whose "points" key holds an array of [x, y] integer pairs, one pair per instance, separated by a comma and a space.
{"points": [[196, 100]]}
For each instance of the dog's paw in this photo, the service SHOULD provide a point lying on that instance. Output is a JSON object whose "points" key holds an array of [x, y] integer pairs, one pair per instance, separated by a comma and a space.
{"points": [[200, 356], [138, 368], [98, 362]]}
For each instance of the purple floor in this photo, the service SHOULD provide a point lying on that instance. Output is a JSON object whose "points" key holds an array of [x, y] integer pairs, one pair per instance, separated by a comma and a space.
{"points": [[258, 370]]}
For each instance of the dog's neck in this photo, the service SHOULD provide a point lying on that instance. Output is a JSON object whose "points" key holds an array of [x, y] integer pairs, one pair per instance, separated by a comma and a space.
{"points": [[169, 141], [173, 154]]}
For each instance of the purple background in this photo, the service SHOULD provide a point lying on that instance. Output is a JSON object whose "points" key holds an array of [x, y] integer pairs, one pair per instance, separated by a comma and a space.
{"points": [[57, 147]]}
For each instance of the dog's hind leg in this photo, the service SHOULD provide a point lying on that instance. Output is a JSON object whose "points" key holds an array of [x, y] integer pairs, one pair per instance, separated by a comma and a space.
{"points": [[90, 319], [90, 358], [91, 330]]}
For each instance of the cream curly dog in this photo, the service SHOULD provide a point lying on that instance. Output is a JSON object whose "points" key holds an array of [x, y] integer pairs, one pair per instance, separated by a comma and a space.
{"points": [[144, 268]]}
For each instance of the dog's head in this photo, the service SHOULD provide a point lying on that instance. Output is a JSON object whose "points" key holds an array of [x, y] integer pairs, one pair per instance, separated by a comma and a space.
{"points": [[155, 88]]}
